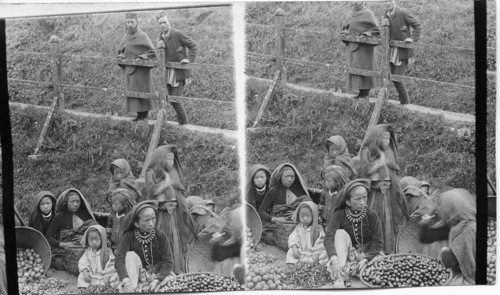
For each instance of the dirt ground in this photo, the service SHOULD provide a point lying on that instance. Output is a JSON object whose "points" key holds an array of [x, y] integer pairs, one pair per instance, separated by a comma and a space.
{"points": [[64, 276], [280, 261]]}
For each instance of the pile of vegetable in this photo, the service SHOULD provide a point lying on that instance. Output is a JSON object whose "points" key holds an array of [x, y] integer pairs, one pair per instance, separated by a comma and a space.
{"points": [[208, 282], [260, 258], [261, 277], [492, 251], [307, 274], [250, 238], [29, 265], [49, 286], [405, 271]]}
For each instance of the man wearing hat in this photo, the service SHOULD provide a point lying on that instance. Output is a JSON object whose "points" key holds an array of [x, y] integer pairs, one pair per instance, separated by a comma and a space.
{"points": [[136, 45], [178, 47]]}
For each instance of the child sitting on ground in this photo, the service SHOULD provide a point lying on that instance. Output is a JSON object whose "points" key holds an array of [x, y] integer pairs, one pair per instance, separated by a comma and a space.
{"points": [[334, 178], [97, 265], [121, 201], [305, 243]]}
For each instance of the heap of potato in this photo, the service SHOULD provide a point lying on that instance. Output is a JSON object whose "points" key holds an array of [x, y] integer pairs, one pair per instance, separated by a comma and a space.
{"points": [[262, 277]]}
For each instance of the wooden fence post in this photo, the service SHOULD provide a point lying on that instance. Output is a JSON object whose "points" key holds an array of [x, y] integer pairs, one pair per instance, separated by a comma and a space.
{"points": [[280, 46], [55, 43], [383, 95]]}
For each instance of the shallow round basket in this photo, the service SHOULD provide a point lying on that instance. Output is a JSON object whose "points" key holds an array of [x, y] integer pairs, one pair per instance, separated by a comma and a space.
{"points": [[408, 241], [254, 223], [361, 273], [29, 238], [198, 258]]}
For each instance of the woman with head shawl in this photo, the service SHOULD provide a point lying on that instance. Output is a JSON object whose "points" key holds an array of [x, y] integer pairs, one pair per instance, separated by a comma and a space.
{"points": [[354, 234], [287, 190], [335, 179], [361, 22], [97, 264], [42, 211], [379, 162], [258, 177], [337, 154], [416, 194], [165, 184], [305, 243], [137, 46], [122, 177], [73, 213], [143, 250], [204, 218], [121, 202], [456, 208]]}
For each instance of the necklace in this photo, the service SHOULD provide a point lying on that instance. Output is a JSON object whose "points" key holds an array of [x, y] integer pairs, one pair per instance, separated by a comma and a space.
{"points": [[332, 193], [144, 239], [356, 219], [260, 191], [47, 217]]}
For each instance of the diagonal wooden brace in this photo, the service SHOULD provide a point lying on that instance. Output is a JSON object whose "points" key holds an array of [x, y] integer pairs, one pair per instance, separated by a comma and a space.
{"points": [[45, 128], [267, 99], [382, 97]]}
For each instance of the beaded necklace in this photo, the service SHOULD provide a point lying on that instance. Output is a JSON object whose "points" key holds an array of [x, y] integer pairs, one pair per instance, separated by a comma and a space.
{"points": [[145, 241], [261, 190], [47, 217], [356, 218]]}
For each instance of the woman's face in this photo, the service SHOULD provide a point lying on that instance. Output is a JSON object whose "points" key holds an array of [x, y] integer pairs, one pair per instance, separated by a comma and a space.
{"points": [[260, 178], [330, 181], [170, 161], [357, 198], [74, 202], [146, 221], [334, 149], [45, 205], [130, 24], [386, 139], [288, 177], [357, 5], [118, 174], [94, 240], [305, 216], [117, 205]]}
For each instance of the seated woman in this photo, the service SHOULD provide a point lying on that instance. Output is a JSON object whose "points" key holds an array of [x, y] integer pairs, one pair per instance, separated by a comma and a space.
{"points": [[337, 154], [354, 234], [143, 250], [73, 213], [334, 178], [457, 209], [287, 191], [122, 177], [258, 177], [42, 211]]}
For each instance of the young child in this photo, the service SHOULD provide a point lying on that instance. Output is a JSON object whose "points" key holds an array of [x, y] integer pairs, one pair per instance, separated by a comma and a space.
{"points": [[144, 257], [305, 243], [121, 201], [334, 178], [97, 265], [42, 211], [122, 177], [338, 154]]}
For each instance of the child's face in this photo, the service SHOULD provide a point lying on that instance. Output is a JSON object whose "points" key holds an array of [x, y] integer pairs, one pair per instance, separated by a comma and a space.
{"points": [[117, 174], [94, 240], [74, 202], [334, 149], [386, 139], [117, 205], [305, 216], [260, 178], [170, 161], [330, 181], [146, 221], [45, 205], [288, 178]]}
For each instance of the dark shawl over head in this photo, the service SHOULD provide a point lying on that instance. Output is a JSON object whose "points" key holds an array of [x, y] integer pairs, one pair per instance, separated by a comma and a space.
{"points": [[457, 207], [129, 221], [127, 181], [342, 159], [418, 202], [34, 210], [125, 198], [251, 194], [84, 212], [299, 185], [371, 150], [344, 193], [339, 172]]}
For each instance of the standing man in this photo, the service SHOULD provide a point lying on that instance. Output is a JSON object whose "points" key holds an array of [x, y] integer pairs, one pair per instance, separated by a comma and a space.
{"points": [[175, 44], [136, 45], [400, 22]]}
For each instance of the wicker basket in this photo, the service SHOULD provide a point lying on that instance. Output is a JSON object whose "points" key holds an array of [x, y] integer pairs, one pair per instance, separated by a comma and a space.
{"points": [[29, 238], [281, 234], [450, 272], [71, 258], [254, 223], [408, 241], [198, 258]]}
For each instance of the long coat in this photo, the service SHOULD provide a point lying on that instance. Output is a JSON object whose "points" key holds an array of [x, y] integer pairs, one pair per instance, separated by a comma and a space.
{"points": [[361, 56], [139, 79]]}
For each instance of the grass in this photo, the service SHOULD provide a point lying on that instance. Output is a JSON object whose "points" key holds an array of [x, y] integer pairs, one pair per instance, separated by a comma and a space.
{"points": [[97, 37], [313, 30], [81, 150]]}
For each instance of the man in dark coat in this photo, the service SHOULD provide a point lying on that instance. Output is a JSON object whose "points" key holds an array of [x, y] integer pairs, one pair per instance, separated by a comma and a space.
{"points": [[179, 47], [400, 22], [137, 45]]}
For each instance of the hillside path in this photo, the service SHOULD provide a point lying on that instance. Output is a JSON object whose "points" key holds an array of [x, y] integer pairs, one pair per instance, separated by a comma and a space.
{"points": [[450, 116], [230, 134]]}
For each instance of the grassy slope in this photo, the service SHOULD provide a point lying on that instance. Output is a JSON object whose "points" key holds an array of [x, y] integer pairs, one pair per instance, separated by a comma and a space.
{"points": [[428, 148], [210, 162], [447, 23], [99, 35]]}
